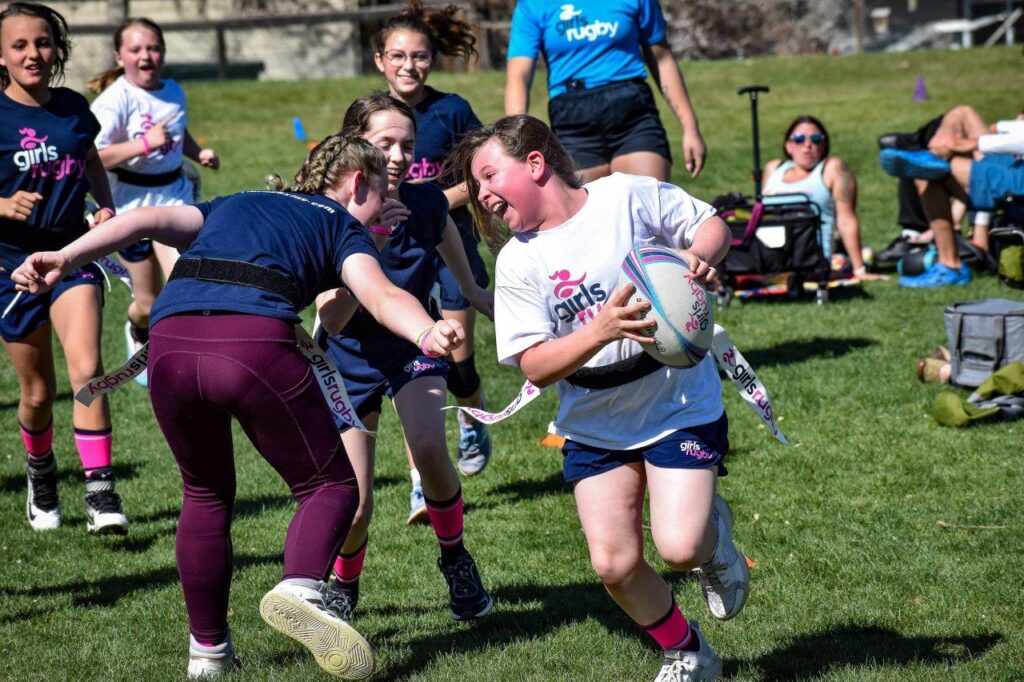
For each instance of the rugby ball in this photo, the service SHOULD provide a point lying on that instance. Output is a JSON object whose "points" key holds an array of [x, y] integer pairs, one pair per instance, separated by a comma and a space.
{"points": [[679, 305]]}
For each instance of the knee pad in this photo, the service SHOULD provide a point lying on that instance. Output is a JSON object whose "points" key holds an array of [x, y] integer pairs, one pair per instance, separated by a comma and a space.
{"points": [[463, 380]]}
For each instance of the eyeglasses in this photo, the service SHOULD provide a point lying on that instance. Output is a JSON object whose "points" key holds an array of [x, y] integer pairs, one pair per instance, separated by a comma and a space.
{"points": [[800, 138], [396, 58]]}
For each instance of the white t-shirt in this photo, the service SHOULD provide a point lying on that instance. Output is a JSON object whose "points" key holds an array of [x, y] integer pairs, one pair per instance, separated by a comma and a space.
{"points": [[550, 283], [126, 112]]}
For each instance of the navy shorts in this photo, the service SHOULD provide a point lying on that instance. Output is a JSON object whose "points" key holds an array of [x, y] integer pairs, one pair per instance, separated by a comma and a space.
{"points": [[31, 312], [137, 252], [697, 447], [367, 394], [993, 178], [451, 297], [612, 120]]}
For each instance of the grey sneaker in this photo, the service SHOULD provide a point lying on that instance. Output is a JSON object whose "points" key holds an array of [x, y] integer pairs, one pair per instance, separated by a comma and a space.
{"points": [[341, 598], [417, 506], [43, 505], [690, 666], [211, 661], [725, 578], [300, 613], [133, 346], [103, 511], [474, 449]]}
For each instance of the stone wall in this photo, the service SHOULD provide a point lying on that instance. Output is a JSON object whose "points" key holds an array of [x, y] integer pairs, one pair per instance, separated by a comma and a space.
{"points": [[318, 50]]}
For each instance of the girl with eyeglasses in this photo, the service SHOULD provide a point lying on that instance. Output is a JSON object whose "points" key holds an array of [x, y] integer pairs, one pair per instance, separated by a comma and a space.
{"points": [[827, 181], [406, 52]]}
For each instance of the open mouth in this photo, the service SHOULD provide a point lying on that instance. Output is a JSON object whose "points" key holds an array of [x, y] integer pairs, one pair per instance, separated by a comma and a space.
{"points": [[499, 208]]}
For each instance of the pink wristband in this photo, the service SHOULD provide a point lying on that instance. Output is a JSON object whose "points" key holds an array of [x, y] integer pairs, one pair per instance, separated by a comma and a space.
{"points": [[424, 335], [145, 145], [381, 229]]}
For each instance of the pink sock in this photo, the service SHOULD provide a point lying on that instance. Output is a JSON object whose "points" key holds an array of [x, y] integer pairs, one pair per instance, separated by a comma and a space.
{"points": [[94, 448], [447, 519], [347, 567], [671, 631], [38, 444]]}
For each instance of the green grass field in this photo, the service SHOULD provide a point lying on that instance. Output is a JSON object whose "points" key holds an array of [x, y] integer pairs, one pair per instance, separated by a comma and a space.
{"points": [[855, 579]]}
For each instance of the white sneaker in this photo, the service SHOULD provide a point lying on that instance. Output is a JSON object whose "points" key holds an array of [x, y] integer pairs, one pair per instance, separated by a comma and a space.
{"points": [[103, 512], [417, 506], [211, 661], [725, 578], [43, 505], [299, 612], [690, 666], [134, 347]]}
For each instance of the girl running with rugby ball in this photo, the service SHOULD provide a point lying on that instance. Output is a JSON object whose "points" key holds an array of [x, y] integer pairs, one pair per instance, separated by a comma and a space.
{"points": [[664, 432]]}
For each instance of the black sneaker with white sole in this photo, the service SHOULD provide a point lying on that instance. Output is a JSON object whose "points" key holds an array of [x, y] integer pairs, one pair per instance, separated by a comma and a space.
{"points": [[43, 504], [103, 506], [469, 599], [340, 598]]}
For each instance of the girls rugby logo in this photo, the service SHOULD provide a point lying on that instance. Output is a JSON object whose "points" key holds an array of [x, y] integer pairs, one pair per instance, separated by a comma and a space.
{"points": [[34, 150], [578, 300], [41, 160], [574, 26]]}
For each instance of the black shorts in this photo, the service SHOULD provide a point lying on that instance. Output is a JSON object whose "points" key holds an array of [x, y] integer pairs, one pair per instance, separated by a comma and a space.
{"points": [[599, 124]]}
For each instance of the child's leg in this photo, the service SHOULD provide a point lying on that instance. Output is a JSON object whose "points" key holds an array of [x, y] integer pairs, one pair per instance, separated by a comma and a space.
{"points": [[32, 360], [692, 529], [610, 505], [167, 256], [419, 404], [343, 594], [77, 319], [682, 526], [147, 283]]}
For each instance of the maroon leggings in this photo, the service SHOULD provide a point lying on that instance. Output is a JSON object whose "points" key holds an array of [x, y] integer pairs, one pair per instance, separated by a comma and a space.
{"points": [[206, 369]]}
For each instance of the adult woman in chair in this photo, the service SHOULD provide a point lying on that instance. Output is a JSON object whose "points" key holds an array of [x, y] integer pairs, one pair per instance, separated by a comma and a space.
{"points": [[809, 169]]}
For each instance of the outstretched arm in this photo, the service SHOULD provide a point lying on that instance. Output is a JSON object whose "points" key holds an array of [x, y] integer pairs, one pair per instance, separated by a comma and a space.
{"points": [[397, 309], [173, 225]]}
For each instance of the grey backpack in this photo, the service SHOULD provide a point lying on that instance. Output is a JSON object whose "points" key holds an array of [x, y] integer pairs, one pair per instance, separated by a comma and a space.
{"points": [[983, 336]]}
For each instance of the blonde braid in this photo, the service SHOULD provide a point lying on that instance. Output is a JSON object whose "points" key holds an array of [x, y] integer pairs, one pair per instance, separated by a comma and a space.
{"points": [[335, 156]]}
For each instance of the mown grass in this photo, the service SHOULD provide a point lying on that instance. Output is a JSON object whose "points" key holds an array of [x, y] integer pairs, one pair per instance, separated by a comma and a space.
{"points": [[854, 580]]}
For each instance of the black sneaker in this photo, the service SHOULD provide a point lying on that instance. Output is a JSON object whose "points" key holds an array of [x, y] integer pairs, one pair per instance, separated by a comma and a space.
{"points": [[43, 505], [340, 598], [469, 599], [103, 506], [897, 249], [908, 141]]}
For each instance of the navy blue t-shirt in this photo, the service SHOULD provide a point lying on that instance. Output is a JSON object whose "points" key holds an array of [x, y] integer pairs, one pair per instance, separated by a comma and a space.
{"points": [[304, 237], [441, 119], [408, 261], [43, 149]]}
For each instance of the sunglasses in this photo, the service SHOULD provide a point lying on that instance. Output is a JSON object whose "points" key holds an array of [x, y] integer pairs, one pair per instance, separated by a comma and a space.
{"points": [[800, 138]]}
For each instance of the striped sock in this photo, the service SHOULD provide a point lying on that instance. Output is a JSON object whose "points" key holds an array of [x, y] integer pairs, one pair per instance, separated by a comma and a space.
{"points": [[94, 449], [448, 518], [348, 567]]}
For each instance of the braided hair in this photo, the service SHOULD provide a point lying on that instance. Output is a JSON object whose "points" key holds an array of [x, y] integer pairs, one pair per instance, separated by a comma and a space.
{"points": [[331, 160]]}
